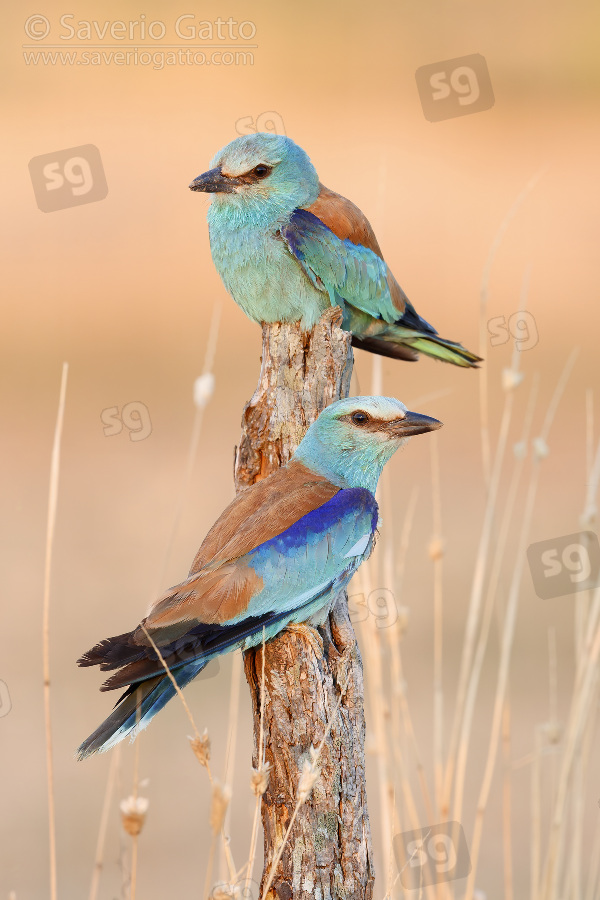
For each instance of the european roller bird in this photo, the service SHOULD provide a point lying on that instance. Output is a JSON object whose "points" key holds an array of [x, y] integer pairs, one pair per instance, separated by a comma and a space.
{"points": [[287, 248], [277, 557]]}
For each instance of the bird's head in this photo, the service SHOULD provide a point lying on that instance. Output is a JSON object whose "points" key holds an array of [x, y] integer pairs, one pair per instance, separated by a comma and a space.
{"points": [[352, 439], [258, 178]]}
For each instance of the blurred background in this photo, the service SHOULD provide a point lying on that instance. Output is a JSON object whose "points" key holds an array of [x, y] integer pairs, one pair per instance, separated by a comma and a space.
{"points": [[123, 288]]}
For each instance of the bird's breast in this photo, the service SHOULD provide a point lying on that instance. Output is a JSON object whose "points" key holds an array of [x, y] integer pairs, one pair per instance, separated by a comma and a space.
{"points": [[263, 277]]}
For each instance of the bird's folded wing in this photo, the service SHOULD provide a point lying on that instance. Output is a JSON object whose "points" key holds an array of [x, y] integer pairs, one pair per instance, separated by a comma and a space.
{"points": [[263, 511], [278, 571], [222, 606], [344, 218], [352, 267], [346, 271]]}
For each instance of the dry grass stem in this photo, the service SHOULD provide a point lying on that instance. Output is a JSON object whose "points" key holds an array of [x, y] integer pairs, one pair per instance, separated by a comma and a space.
{"points": [[179, 692], [261, 768], [536, 815], [507, 804], [200, 745], [134, 808], [483, 321], [583, 695], [377, 702], [476, 599], [229, 769], [106, 807], [469, 664], [403, 739], [202, 393], [221, 796], [509, 628], [491, 594], [51, 521], [590, 512], [436, 553], [593, 885]]}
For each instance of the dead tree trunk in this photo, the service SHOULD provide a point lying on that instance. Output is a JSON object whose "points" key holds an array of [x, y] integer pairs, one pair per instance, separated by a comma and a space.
{"points": [[328, 854]]}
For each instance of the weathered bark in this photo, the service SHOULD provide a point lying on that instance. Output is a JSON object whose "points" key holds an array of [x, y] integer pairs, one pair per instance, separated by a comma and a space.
{"points": [[328, 854]]}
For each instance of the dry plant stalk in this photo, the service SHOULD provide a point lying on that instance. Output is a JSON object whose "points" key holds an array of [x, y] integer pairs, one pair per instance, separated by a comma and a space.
{"points": [[200, 745], [203, 389], [508, 629], [563, 875], [133, 810], [328, 851], [259, 780], [230, 754], [106, 808], [52, 503], [483, 320]]}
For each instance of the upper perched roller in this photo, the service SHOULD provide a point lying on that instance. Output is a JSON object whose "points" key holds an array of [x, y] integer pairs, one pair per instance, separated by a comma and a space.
{"points": [[287, 248]]}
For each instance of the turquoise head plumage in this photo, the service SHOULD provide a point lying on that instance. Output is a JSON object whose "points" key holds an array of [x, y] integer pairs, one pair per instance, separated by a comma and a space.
{"points": [[353, 439], [287, 248]]}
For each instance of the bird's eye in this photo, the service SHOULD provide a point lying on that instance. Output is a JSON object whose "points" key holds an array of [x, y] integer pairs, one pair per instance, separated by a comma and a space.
{"points": [[359, 417], [261, 170]]}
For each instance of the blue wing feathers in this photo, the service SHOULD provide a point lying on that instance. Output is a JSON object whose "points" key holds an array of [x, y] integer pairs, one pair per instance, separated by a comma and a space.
{"points": [[352, 272], [346, 505], [302, 569]]}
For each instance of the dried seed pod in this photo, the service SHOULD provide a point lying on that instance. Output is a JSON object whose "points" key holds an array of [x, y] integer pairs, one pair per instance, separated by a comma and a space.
{"points": [[201, 747], [224, 892], [133, 814], [310, 774], [511, 379], [436, 548], [552, 731], [259, 779], [204, 387], [540, 448]]}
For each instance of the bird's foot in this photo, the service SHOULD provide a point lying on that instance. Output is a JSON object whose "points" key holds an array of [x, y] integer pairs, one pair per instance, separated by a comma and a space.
{"points": [[310, 633]]}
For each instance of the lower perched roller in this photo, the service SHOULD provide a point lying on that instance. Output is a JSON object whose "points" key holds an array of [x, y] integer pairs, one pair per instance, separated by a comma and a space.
{"points": [[278, 556]]}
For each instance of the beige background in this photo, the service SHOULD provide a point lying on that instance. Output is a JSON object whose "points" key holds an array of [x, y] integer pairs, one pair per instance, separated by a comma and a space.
{"points": [[124, 288]]}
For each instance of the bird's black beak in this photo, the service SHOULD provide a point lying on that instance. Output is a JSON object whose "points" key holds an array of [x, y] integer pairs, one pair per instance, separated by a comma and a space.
{"points": [[413, 423], [214, 182]]}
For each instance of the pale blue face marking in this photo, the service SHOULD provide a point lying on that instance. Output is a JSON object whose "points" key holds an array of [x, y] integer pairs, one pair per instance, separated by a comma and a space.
{"points": [[348, 455]]}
